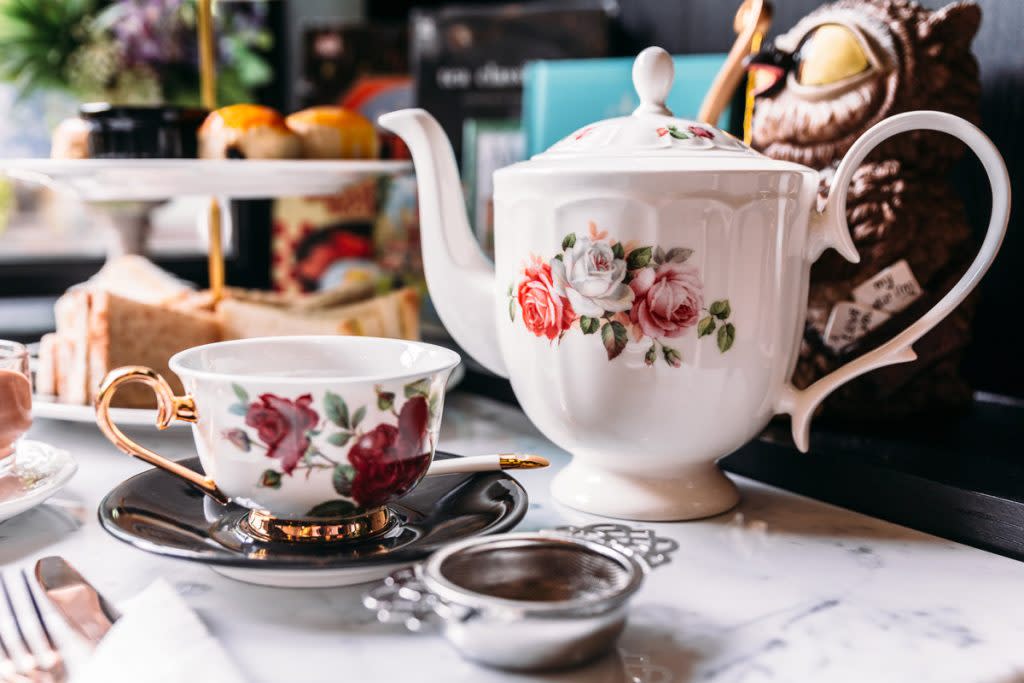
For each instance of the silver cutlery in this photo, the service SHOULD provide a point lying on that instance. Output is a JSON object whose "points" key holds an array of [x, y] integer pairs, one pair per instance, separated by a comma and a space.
{"points": [[85, 610], [26, 663]]}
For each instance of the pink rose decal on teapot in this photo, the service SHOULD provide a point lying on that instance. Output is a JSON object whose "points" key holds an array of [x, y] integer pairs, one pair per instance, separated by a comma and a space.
{"points": [[668, 300], [624, 291]]}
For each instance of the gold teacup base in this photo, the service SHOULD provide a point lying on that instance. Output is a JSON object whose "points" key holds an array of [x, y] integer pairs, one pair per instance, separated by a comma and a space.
{"points": [[262, 526]]}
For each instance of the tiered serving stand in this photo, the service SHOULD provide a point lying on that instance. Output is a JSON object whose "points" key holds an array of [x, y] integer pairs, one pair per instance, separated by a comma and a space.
{"points": [[128, 189]]}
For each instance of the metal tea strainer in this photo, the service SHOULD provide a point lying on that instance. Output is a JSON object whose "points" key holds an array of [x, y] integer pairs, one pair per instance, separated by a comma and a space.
{"points": [[563, 591]]}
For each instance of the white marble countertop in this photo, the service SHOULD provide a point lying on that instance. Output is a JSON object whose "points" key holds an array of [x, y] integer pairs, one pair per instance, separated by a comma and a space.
{"points": [[782, 588]]}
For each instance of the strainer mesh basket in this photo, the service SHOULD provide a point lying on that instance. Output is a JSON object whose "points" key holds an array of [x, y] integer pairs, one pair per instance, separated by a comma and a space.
{"points": [[539, 572]]}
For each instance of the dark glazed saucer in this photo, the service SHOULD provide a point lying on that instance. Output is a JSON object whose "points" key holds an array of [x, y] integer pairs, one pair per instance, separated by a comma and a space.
{"points": [[159, 513]]}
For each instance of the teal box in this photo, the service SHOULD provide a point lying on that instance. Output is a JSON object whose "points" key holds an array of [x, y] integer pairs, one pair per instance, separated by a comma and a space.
{"points": [[560, 96]]}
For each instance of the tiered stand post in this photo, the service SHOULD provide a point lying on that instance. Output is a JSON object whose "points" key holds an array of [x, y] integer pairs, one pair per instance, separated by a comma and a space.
{"points": [[208, 91]]}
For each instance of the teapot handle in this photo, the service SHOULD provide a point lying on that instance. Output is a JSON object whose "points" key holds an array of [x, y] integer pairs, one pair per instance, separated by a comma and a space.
{"points": [[829, 229]]}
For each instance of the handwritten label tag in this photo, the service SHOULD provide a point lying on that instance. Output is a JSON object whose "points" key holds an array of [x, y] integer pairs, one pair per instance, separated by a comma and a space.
{"points": [[890, 290], [848, 322]]}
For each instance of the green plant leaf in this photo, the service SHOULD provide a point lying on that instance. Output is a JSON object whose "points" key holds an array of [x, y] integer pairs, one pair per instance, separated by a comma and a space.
{"points": [[240, 392], [720, 309], [433, 404], [677, 134], [385, 399], [337, 409], [613, 334], [358, 416], [639, 258], [618, 251], [659, 255], [512, 310], [238, 409], [333, 508], [270, 479], [726, 336], [706, 326], [651, 354], [672, 357], [510, 287], [588, 324], [420, 387], [342, 478], [558, 257], [678, 254], [569, 241], [339, 439]]}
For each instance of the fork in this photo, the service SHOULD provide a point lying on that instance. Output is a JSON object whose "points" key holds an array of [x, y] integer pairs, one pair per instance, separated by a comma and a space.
{"points": [[43, 666]]}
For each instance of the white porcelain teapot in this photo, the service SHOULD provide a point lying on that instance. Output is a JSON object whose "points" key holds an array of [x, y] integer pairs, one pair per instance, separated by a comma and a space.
{"points": [[649, 290]]}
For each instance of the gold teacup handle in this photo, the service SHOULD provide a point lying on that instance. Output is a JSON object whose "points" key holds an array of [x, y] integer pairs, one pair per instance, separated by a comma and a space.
{"points": [[169, 407]]}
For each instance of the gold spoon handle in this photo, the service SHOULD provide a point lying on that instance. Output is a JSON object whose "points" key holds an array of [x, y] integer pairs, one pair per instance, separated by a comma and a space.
{"points": [[487, 463]]}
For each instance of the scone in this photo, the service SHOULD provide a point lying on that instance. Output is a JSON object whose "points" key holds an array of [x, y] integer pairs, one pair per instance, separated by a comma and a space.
{"points": [[247, 131], [334, 133]]}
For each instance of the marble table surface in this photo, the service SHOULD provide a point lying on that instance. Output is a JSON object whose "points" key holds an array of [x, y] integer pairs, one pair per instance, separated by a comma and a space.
{"points": [[782, 588]]}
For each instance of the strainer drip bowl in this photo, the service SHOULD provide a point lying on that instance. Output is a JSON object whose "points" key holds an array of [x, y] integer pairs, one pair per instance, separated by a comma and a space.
{"points": [[545, 571]]}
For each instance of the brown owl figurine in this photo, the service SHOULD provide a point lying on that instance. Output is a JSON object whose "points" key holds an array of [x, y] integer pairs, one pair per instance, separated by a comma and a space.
{"points": [[840, 70]]}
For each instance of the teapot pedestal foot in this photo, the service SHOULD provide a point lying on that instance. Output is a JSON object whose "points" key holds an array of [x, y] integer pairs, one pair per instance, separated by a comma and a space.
{"points": [[693, 492]]}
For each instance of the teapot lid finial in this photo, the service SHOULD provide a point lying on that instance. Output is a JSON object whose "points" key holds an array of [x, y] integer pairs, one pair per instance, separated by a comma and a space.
{"points": [[652, 130], [653, 73]]}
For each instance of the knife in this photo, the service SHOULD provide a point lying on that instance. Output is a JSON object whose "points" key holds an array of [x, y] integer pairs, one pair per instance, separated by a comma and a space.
{"points": [[86, 611]]}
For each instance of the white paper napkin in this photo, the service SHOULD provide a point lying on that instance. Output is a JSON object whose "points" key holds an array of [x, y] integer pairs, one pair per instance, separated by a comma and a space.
{"points": [[158, 639]]}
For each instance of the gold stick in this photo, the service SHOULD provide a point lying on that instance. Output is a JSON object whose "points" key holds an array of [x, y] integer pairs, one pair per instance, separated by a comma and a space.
{"points": [[748, 99], [207, 57], [215, 261], [208, 95]]}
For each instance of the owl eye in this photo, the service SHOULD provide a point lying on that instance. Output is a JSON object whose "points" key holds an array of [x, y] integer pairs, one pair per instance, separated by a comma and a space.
{"points": [[829, 54]]}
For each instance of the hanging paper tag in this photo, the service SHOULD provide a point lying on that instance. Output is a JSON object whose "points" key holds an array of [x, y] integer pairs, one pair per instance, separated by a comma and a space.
{"points": [[848, 322], [890, 290]]}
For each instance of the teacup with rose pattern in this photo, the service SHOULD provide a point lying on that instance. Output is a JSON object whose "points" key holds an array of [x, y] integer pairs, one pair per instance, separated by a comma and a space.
{"points": [[301, 427]]}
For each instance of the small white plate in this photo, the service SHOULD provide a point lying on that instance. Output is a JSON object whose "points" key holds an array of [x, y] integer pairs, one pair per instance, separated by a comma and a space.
{"points": [[46, 408], [39, 471], [104, 180]]}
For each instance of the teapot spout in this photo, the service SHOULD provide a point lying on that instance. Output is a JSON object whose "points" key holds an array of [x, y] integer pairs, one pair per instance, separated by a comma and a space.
{"points": [[459, 275]]}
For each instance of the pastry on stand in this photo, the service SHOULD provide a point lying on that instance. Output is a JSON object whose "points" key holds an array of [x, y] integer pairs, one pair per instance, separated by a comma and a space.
{"points": [[334, 133], [247, 131]]}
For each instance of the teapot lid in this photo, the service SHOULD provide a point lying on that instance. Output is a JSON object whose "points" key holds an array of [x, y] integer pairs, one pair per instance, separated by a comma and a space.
{"points": [[651, 130]]}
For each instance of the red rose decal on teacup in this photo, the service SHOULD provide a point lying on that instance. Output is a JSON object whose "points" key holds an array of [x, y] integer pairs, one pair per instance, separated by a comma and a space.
{"points": [[388, 460], [282, 425], [381, 462], [620, 291], [546, 313]]}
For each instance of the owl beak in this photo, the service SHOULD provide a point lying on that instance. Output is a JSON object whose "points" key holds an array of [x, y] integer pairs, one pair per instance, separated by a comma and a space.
{"points": [[768, 69]]}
